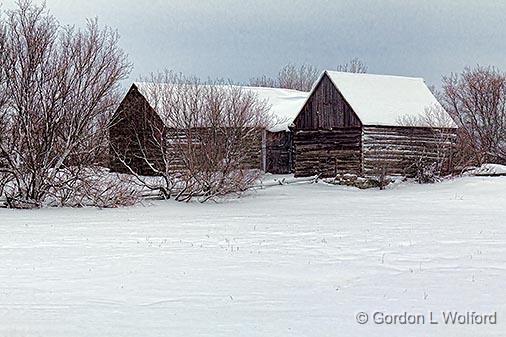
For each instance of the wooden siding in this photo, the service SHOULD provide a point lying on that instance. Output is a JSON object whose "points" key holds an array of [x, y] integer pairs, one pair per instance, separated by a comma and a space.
{"points": [[200, 143], [326, 109], [279, 157], [327, 152], [137, 133], [395, 150], [132, 135]]}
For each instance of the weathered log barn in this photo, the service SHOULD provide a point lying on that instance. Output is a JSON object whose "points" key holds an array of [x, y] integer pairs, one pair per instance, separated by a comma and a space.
{"points": [[271, 152], [363, 124], [370, 125]]}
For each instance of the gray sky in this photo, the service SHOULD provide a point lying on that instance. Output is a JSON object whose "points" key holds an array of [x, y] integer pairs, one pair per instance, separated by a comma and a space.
{"points": [[241, 39]]}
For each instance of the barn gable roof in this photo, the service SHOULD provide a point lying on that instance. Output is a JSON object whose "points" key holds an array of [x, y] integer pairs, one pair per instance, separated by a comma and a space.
{"points": [[284, 104], [386, 100]]}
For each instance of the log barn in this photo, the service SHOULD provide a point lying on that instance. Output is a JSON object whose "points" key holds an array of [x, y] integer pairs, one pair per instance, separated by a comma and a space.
{"points": [[369, 125], [270, 152]]}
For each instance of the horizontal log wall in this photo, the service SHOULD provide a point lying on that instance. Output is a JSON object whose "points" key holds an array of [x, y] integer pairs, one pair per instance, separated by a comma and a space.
{"points": [[202, 143], [139, 139], [327, 152], [279, 152], [395, 150]]}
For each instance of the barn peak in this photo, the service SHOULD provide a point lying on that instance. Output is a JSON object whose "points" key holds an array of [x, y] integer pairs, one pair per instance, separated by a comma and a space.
{"points": [[385, 100]]}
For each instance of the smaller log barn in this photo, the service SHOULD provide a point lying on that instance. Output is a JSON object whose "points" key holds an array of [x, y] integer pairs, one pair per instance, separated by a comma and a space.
{"points": [[271, 152], [370, 125]]}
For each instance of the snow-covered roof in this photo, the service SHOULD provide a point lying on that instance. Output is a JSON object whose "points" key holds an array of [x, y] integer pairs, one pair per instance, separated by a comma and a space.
{"points": [[284, 104], [386, 100]]}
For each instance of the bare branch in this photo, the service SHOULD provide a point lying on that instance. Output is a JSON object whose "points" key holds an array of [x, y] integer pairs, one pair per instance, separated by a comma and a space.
{"points": [[59, 86], [476, 99]]}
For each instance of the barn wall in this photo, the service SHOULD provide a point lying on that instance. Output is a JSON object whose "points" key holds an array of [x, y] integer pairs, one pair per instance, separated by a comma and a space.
{"points": [[132, 131], [327, 152], [395, 150], [327, 138], [279, 152], [204, 141], [137, 133], [326, 109]]}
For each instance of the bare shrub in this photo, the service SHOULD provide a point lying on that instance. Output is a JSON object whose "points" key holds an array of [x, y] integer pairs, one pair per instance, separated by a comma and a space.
{"points": [[59, 86], [383, 179], [427, 172], [476, 99], [433, 117], [437, 158], [91, 186], [203, 141]]}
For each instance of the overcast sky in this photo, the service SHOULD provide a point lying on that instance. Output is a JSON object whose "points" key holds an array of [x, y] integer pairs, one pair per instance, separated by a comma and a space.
{"points": [[240, 39]]}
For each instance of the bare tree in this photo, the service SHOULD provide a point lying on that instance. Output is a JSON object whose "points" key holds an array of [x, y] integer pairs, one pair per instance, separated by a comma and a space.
{"points": [[303, 77], [290, 77], [61, 84], [205, 139], [264, 81], [300, 78], [476, 99], [355, 65], [4, 117]]}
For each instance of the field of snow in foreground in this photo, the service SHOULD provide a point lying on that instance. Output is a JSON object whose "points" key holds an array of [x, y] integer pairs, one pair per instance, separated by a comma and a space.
{"points": [[296, 260]]}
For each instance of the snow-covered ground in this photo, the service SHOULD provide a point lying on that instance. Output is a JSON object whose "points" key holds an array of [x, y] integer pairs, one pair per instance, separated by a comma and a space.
{"points": [[295, 260]]}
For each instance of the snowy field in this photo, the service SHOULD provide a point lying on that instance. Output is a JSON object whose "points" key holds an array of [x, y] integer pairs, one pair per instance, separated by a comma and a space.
{"points": [[296, 260]]}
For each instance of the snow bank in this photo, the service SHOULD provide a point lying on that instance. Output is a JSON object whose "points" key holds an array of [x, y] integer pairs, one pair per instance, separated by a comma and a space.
{"points": [[489, 170]]}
